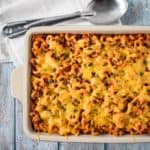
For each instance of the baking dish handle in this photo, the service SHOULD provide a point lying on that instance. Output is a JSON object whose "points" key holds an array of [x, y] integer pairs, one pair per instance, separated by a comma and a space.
{"points": [[16, 83]]}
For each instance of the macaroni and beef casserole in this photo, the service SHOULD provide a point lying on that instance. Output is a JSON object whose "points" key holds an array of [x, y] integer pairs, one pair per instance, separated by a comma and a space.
{"points": [[90, 83]]}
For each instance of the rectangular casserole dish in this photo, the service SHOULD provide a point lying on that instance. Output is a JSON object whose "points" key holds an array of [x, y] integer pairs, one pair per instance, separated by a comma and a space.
{"points": [[20, 84]]}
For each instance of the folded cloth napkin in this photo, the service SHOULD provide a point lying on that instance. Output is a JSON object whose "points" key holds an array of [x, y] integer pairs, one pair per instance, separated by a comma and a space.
{"points": [[23, 9]]}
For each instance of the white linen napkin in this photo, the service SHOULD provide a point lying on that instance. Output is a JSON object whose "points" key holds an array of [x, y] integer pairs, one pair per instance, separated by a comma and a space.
{"points": [[24, 9]]}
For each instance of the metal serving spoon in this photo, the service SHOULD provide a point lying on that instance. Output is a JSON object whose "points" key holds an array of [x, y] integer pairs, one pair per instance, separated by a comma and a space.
{"points": [[97, 12]]}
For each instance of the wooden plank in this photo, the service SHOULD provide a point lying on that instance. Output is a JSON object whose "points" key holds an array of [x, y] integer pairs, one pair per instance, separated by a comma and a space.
{"points": [[138, 13], [80, 146], [134, 14], [140, 146], [144, 146], [6, 109], [25, 143], [116, 146]]}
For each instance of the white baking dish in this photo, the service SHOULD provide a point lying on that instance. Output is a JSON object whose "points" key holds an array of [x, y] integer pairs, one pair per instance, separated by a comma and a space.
{"points": [[20, 84]]}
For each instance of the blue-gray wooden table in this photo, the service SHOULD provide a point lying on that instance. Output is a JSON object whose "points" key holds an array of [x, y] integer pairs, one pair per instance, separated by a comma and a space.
{"points": [[11, 125]]}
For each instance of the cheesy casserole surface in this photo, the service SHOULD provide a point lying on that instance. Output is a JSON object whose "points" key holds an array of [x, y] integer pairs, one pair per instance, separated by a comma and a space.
{"points": [[90, 84]]}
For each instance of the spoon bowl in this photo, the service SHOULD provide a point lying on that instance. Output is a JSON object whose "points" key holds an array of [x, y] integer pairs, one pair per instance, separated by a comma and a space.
{"points": [[107, 11]]}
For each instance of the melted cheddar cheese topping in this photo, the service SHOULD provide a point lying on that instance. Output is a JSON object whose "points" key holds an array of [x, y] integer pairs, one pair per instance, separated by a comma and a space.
{"points": [[91, 83]]}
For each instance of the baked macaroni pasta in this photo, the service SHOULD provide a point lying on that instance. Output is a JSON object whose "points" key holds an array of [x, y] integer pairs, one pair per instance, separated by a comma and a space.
{"points": [[90, 84]]}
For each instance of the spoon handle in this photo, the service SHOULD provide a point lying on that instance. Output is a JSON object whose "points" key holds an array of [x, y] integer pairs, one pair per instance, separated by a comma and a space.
{"points": [[18, 28], [53, 20]]}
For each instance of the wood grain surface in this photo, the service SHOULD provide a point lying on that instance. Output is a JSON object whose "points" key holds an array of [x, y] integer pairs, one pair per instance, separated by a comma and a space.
{"points": [[6, 109], [11, 131]]}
